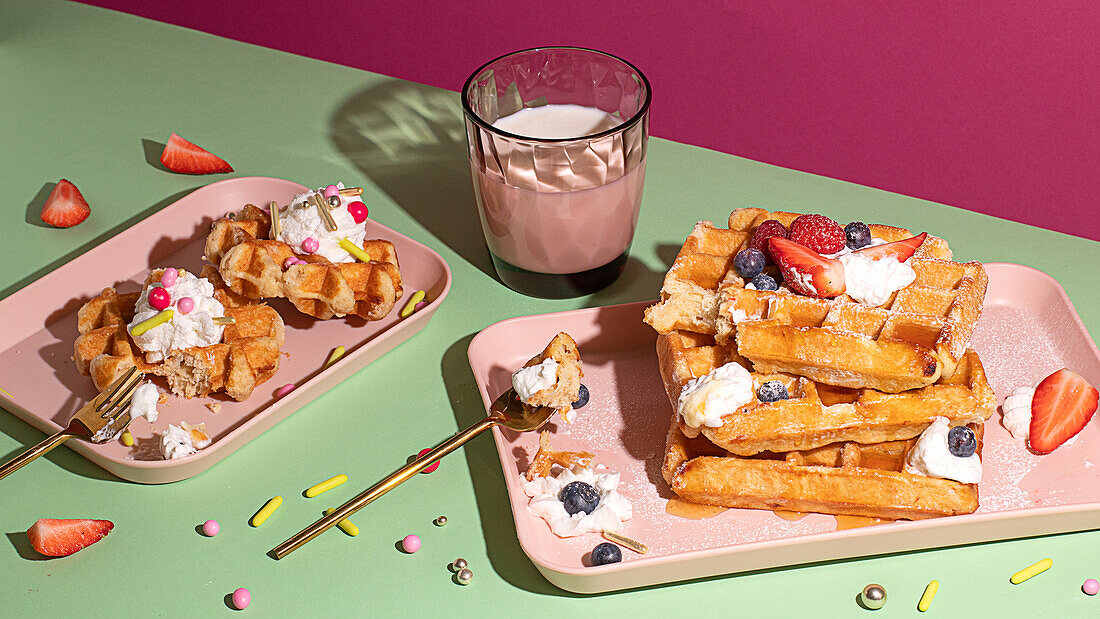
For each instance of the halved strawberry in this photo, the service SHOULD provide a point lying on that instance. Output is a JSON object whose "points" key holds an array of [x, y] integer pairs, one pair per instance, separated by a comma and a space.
{"points": [[1061, 407], [901, 250], [807, 271], [65, 206], [182, 156], [60, 538]]}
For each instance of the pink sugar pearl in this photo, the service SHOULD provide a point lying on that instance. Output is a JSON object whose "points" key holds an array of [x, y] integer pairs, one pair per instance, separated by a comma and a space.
{"points": [[332, 190], [310, 245], [433, 467], [211, 528], [291, 261], [284, 390], [411, 543], [160, 298], [358, 211], [242, 598], [1091, 587], [186, 305], [169, 277]]}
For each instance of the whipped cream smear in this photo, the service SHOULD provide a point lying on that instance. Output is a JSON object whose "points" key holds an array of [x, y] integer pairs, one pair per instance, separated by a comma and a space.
{"points": [[1016, 412], [144, 402], [193, 329], [931, 457], [183, 440], [301, 221], [609, 515], [706, 399], [530, 380]]}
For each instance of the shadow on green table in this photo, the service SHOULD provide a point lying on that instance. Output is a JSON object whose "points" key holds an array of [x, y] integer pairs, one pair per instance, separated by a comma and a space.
{"points": [[68, 459]]}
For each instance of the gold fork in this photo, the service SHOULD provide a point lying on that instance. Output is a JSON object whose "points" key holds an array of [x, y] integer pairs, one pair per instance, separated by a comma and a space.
{"points": [[97, 421]]}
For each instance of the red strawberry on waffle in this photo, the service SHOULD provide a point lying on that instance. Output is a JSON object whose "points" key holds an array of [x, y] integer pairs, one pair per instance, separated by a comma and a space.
{"points": [[902, 250], [807, 272]]}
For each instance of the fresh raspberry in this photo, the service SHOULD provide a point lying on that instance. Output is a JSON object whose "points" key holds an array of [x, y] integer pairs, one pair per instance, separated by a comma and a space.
{"points": [[765, 231], [819, 233]]}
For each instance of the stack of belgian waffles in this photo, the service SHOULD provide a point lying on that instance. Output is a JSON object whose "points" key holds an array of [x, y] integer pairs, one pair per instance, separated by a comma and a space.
{"points": [[863, 382]]}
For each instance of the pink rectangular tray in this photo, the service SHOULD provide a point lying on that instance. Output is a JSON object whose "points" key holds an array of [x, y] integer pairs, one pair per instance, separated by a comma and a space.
{"points": [[40, 384], [1028, 329]]}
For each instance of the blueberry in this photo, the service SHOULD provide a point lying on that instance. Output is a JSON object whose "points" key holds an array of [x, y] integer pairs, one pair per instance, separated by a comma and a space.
{"points": [[764, 282], [749, 262], [857, 235], [582, 398], [606, 553], [961, 442], [578, 496], [772, 391]]}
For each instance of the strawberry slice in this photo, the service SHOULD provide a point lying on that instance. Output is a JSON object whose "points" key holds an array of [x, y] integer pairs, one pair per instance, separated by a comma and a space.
{"points": [[65, 206], [1063, 403], [806, 271], [182, 156], [901, 250], [60, 538]]}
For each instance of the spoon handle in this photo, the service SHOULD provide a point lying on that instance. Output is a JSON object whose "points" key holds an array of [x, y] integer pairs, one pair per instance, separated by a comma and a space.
{"points": [[382, 487]]}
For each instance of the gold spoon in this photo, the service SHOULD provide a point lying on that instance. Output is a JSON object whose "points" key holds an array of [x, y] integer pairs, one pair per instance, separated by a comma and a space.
{"points": [[506, 411]]}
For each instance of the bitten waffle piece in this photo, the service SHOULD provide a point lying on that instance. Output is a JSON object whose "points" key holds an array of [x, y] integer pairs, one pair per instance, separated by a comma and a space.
{"points": [[553, 377], [257, 268], [816, 414], [545, 458]]}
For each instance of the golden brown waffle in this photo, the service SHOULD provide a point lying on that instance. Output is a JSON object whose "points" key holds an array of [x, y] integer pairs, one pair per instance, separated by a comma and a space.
{"points": [[566, 389], [247, 356], [818, 414], [254, 267], [920, 334]]}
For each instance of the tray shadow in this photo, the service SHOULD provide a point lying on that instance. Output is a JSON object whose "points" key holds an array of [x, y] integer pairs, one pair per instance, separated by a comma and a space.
{"points": [[12, 426]]}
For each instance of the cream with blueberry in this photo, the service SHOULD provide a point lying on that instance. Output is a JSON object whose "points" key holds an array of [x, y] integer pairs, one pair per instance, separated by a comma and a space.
{"points": [[578, 501], [303, 226], [176, 312], [946, 452]]}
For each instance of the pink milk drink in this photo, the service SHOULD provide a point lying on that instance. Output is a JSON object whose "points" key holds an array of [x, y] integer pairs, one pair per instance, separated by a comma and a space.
{"points": [[557, 141]]}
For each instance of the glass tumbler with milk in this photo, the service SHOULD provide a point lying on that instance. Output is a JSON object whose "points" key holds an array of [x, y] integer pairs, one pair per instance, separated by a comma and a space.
{"points": [[557, 139]]}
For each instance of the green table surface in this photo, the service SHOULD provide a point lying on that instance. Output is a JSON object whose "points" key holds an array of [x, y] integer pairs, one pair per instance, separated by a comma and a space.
{"points": [[92, 95]]}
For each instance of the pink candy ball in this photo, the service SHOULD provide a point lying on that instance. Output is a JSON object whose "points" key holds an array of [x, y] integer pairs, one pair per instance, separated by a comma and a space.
{"points": [[1091, 587], [211, 528], [310, 245], [420, 306], [358, 211], [160, 298], [285, 389], [242, 598], [411, 543], [186, 305], [169, 277], [332, 190], [291, 261], [433, 467]]}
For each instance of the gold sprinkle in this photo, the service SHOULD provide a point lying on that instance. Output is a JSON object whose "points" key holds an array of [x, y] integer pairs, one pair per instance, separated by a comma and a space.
{"points": [[322, 208], [637, 547], [274, 209], [224, 320], [351, 192]]}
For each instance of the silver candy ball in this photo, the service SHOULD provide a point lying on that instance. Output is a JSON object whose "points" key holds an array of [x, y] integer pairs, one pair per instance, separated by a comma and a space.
{"points": [[464, 576], [334, 201], [440, 521], [460, 564], [873, 596]]}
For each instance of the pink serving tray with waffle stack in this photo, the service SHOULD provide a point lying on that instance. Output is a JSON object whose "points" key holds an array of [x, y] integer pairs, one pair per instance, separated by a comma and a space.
{"points": [[40, 384], [1028, 330]]}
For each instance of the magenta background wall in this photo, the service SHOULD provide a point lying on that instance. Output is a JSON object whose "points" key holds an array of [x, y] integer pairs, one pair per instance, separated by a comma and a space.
{"points": [[989, 106]]}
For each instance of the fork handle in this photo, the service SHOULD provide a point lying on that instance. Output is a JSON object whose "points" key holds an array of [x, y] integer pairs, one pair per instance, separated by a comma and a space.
{"points": [[38, 450]]}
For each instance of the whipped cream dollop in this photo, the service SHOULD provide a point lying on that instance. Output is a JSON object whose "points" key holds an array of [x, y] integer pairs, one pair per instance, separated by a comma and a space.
{"points": [[873, 281], [530, 380], [195, 328], [931, 457], [301, 221], [183, 440], [706, 399], [1016, 412], [144, 402], [609, 515]]}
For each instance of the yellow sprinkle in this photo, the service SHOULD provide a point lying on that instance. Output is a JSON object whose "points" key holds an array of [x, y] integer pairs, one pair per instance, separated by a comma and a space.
{"points": [[156, 321], [626, 542], [326, 485], [345, 525], [337, 353], [127, 439], [929, 593], [265, 511], [355, 250], [6, 392], [410, 307], [1032, 570]]}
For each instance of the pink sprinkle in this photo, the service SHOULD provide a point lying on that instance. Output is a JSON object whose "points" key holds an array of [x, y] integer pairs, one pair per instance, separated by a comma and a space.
{"points": [[169, 277], [411, 543], [159, 298], [285, 389], [419, 306], [291, 261], [211, 528], [185, 305], [1091, 587], [434, 466], [310, 245], [332, 190], [242, 598]]}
